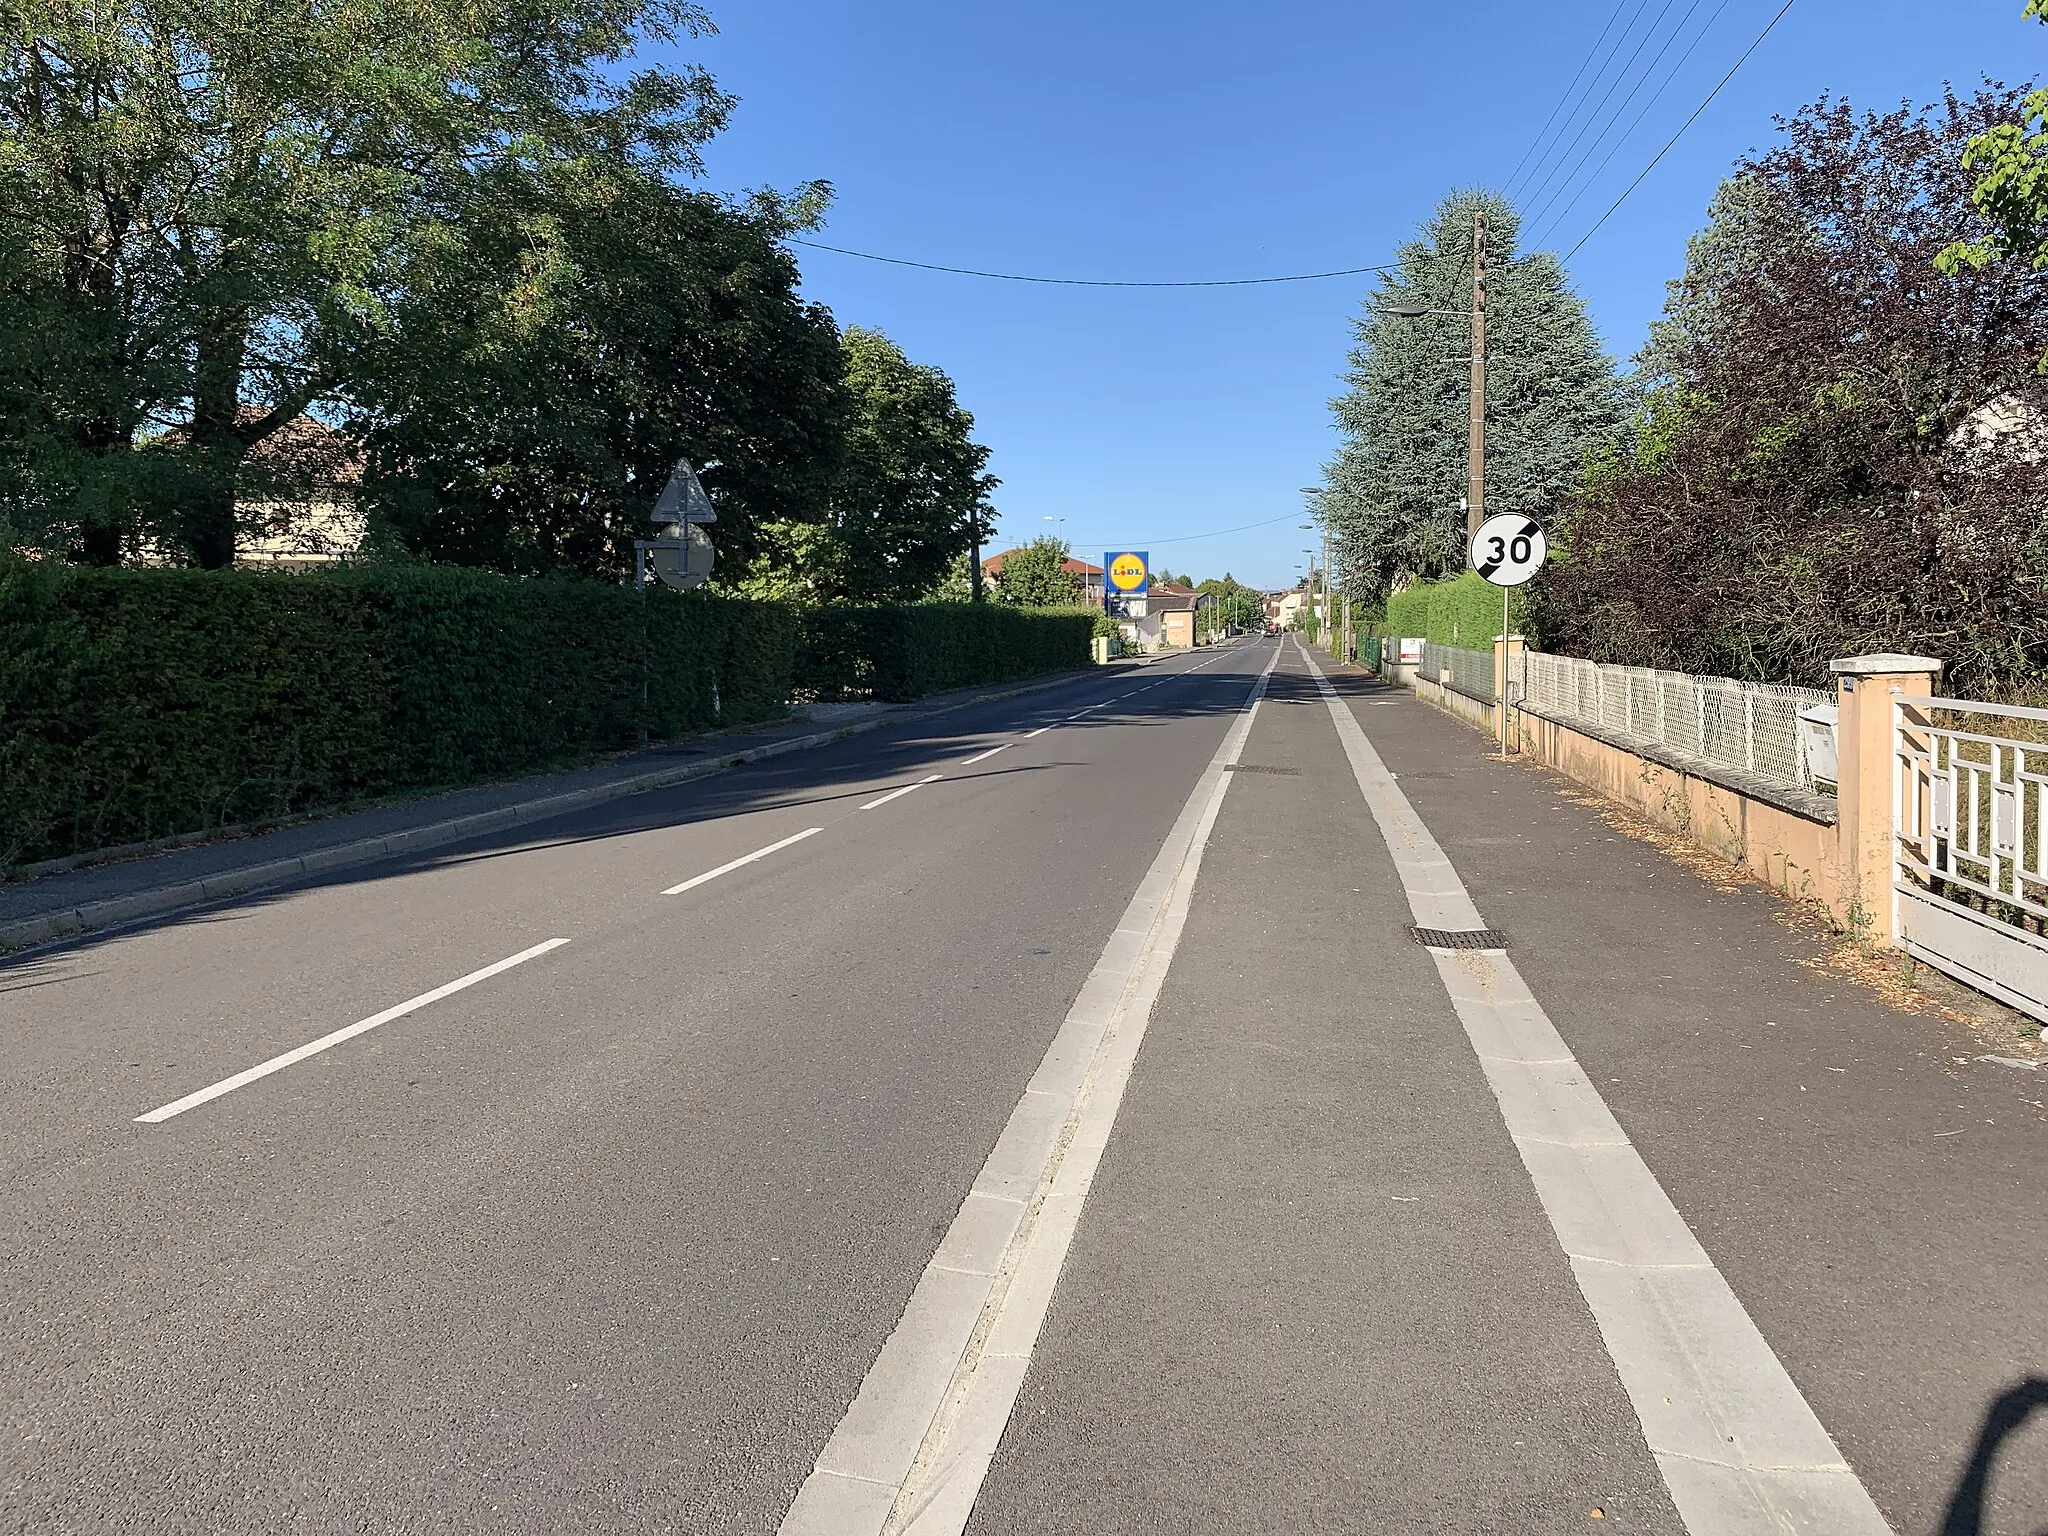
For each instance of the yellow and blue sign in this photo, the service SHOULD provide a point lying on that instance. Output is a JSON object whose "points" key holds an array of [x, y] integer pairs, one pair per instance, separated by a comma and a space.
{"points": [[1126, 572]]}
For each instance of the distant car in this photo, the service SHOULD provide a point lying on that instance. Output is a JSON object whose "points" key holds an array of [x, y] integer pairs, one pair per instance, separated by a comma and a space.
{"points": [[1272, 629]]}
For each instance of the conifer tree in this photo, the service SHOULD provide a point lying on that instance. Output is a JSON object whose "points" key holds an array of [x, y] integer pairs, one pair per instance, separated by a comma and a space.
{"points": [[1394, 492]]}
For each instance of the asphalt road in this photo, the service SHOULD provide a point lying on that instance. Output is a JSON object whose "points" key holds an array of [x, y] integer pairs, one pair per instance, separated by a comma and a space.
{"points": [[610, 1240]]}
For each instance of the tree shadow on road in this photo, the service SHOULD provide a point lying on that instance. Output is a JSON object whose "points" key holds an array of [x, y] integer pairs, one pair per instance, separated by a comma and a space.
{"points": [[2008, 1412]]}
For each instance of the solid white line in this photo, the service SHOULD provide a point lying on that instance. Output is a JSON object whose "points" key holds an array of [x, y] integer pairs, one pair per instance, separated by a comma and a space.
{"points": [[991, 752], [897, 794], [725, 869], [1039, 732], [912, 1451], [1740, 1449], [328, 1042]]}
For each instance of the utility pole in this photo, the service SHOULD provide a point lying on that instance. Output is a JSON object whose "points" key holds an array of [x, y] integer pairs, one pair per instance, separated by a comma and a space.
{"points": [[1329, 619], [1475, 449]]}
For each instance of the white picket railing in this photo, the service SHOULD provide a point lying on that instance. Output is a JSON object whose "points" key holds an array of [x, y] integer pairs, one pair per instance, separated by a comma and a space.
{"points": [[1970, 823]]}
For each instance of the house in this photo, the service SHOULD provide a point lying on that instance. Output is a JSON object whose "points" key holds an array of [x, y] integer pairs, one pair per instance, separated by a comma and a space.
{"points": [[1091, 575], [317, 522], [1285, 608], [1168, 622], [297, 498]]}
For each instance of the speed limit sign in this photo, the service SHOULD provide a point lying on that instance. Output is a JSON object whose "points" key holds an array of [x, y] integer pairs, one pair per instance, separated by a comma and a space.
{"points": [[1508, 549]]}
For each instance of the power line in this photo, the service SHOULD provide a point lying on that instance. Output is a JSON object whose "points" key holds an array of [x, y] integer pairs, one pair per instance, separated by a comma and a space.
{"points": [[1769, 27], [1091, 282], [1636, 90], [1629, 132], [1599, 73], [1613, 86], [1567, 96], [1214, 533]]}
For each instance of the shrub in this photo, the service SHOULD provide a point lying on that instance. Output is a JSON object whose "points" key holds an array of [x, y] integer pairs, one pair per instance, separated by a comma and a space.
{"points": [[904, 651], [1463, 611], [137, 704]]}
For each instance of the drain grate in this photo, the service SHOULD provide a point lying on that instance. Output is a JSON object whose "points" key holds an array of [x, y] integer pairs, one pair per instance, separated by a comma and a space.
{"points": [[1466, 938], [1287, 773]]}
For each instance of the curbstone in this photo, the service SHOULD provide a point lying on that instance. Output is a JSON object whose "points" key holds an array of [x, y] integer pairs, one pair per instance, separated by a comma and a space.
{"points": [[68, 922]]}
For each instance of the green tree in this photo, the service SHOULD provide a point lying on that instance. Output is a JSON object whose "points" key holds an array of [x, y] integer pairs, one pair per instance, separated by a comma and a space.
{"points": [[914, 493], [1036, 576], [208, 204], [1392, 494], [2011, 192], [540, 378], [1841, 450], [1239, 606]]}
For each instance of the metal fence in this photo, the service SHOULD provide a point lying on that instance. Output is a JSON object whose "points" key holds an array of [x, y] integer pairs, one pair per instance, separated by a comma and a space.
{"points": [[1752, 727], [1470, 672], [1972, 808]]}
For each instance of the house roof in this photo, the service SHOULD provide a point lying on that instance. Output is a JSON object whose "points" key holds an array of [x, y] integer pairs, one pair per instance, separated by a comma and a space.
{"points": [[1072, 566], [303, 446]]}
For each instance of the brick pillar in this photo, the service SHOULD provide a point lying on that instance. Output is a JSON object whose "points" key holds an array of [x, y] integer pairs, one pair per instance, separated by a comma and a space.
{"points": [[1863, 759]]}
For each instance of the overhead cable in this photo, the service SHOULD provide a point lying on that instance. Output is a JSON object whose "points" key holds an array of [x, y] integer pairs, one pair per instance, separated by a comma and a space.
{"points": [[1591, 149], [1093, 282], [1530, 149], [1213, 533], [1622, 139], [1599, 73], [1612, 86], [1769, 27]]}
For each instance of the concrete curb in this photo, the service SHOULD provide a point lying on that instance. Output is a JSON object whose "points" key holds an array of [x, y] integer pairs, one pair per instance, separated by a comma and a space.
{"points": [[69, 922]]}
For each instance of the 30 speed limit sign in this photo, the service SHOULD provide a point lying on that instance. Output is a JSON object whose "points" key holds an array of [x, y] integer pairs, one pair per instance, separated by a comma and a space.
{"points": [[1508, 549]]}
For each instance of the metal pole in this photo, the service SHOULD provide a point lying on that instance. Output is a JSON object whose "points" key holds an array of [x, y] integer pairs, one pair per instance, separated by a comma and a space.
{"points": [[1501, 704], [1475, 450]]}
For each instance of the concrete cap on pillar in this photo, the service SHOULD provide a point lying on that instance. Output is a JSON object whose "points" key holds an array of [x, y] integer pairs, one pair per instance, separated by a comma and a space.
{"points": [[1885, 661]]}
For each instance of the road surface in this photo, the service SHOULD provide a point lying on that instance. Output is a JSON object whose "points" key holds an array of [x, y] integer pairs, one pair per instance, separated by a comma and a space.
{"points": [[1037, 1119]]}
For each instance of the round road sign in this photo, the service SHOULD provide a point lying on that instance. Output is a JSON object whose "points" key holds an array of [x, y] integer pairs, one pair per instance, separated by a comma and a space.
{"points": [[1508, 549]]}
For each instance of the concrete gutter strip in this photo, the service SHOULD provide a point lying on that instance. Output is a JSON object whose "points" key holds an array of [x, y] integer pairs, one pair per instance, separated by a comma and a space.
{"points": [[70, 921]]}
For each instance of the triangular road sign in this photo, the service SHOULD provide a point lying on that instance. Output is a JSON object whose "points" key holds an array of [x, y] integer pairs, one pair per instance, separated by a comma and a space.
{"points": [[683, 499]]}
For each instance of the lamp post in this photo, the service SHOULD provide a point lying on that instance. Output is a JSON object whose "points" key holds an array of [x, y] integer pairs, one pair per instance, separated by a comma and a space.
{"points": [[1475, 428]]}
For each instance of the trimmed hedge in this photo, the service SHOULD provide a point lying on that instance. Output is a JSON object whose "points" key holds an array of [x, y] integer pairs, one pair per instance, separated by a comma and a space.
{"points": [[1462, 611], [137, 704], [904, 651]]}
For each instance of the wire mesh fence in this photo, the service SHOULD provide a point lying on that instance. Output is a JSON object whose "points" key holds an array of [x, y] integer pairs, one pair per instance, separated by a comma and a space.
{"points": [[1468, 671], [1750, 727]]}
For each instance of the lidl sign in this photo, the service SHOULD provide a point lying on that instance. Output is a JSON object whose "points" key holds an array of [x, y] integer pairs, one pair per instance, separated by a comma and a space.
{"points": [[1128, 571]]}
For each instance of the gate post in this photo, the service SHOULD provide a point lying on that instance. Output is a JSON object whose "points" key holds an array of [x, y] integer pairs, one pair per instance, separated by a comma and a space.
{"points": [[1864, 757], [1507, 666]]}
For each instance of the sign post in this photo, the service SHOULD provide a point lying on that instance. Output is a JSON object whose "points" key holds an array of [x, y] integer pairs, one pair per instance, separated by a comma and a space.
{"points": [[684, 560], [1126, 575], [1507, 550]]}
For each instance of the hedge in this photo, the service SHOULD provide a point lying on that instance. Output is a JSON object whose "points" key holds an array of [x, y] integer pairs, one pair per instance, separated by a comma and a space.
{"points": [[145, 703], [137, 704], [1463, 610], [904, 651]]}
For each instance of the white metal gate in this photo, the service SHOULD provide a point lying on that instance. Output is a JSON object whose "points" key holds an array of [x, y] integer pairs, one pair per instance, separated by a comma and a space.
{"points": [[1970, 825]]}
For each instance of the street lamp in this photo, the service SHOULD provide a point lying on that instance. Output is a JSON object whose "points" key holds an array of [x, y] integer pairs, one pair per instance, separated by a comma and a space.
{"points": [[1324, 527], [1475, 442]]}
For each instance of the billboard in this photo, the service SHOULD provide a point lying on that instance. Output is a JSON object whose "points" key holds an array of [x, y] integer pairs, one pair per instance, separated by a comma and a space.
{"points": [[1125, 575]]}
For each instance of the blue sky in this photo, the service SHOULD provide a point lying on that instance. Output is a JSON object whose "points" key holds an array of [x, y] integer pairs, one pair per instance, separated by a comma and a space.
{"points": [[1139, 140]]}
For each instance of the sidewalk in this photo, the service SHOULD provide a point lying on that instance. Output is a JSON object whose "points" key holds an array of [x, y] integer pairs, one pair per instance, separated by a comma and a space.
{"points": [[1315, 1288], [107, 894]]}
